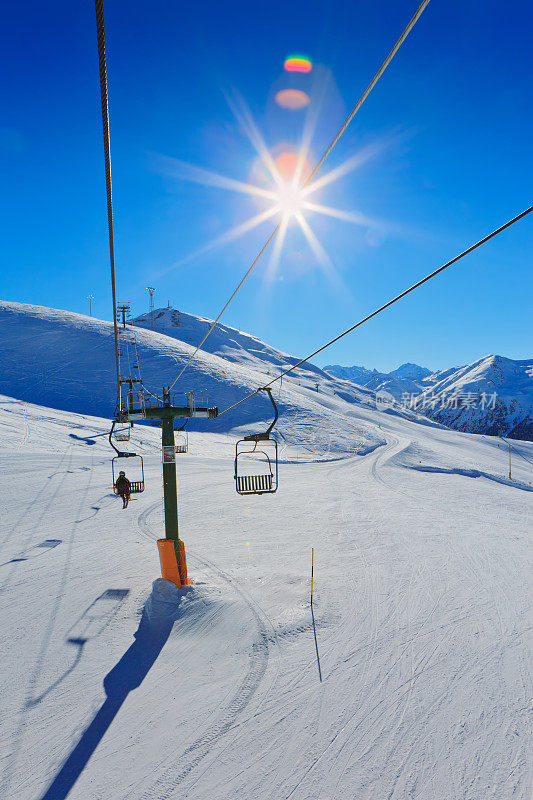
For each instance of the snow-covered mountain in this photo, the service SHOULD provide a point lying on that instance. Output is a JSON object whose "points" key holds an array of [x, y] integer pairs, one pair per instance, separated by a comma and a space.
{"points": [[493, 395], [225, 341], [66, 361], [372, 378]]}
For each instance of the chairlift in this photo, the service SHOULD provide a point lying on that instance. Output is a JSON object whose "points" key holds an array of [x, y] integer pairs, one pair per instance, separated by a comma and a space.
{"points": [[122, 434], [182, 439], [256, 468], [137, 481]]}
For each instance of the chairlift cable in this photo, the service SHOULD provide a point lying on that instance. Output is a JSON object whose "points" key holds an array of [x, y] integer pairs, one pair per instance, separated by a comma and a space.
{"points": [[326, 153], [375, 79], [515, 450], [100, 30], [245, 276], [386, 305]]}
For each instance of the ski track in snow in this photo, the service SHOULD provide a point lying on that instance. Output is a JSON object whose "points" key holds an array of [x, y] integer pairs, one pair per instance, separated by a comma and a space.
{"points": [[420, 622], [175, 773]]}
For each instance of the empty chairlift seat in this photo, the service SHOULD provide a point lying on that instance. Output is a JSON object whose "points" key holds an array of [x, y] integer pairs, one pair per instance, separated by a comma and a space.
{"points": [[122, 434], [182, 442], [256, 468], [254, 484]]}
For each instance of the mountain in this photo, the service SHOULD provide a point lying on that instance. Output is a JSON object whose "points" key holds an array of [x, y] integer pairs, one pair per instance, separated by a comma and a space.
{"points": [[491, 396], [224, 341], [412, 371], [359, 375], [66, 361]]}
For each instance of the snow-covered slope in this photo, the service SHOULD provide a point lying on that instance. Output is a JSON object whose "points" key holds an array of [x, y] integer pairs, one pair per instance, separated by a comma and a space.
{"points": [[493, 395], [224, 341], [66, 361], [408, 680]]}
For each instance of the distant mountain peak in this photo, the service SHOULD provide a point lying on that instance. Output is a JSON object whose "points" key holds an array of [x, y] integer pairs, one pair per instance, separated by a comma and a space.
{"points": [[491, 395], [409, 370]]}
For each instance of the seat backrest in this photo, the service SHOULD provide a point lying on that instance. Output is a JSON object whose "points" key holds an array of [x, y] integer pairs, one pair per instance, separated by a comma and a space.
{"points": [[254, 484]]}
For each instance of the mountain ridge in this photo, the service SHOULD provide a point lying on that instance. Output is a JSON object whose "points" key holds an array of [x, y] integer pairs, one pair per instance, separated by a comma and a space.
{"points": [[492, 395]]}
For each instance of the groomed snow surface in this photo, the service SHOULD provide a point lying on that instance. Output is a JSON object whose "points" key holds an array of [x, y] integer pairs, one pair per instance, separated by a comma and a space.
{"points": [[409, 680]]}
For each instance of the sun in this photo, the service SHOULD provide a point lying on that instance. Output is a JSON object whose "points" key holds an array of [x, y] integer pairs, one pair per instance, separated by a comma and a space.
{"points": [[280, 182], [291, 200]]}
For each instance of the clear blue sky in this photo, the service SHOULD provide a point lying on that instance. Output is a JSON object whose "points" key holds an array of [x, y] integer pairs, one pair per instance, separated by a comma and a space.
{"points": [[453, 115]]}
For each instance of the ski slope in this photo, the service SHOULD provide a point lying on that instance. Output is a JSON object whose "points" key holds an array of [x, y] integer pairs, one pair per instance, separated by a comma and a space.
{"points": [[409, 680], [66, 361]]}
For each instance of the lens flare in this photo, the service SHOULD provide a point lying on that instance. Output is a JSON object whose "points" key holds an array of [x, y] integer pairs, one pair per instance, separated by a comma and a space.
{"points": [[289, 166], [298, 64], [292, 99]]}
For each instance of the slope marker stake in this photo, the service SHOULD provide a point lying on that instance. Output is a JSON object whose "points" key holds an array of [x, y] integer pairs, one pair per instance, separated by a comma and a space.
{"points": [[312, 572]]}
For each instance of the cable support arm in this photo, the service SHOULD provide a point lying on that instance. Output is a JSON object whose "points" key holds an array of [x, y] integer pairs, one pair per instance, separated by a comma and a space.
{"points": [[386, 305]]}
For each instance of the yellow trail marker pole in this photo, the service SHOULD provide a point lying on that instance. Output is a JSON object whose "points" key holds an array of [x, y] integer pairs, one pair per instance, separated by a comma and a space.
{"points": [[509, 459], [312, 571]]}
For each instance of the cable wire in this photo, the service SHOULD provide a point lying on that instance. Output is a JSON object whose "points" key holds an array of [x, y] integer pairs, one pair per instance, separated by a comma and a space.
{"points": [[515, 450], [375, 79], [272, 235], [100, 31], [386, 305], [412, 22]]}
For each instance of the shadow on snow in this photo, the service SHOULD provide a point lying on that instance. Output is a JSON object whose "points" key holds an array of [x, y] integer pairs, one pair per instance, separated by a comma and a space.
{"points": [[158, 617]]}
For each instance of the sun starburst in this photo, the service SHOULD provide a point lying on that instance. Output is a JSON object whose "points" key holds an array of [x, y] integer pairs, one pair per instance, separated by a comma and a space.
{"points": [[285, 195]]}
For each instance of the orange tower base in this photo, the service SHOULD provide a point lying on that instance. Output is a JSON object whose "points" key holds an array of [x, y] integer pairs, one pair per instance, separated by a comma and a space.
{"points": [[169, 565]]}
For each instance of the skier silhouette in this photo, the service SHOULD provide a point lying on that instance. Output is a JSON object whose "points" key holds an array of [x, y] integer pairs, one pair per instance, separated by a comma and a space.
{"points": [[123, 487]]}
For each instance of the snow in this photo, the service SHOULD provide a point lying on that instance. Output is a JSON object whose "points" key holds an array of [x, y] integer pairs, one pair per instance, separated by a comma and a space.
{"points": [[116, 688], [408, 679]]}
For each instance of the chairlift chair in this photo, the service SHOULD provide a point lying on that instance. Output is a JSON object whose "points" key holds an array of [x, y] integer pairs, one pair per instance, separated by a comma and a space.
{"points": [[137, 483], [182, 439], [256, 469], [122, 434]]}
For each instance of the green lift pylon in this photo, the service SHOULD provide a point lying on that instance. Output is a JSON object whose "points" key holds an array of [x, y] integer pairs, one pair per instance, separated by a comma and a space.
{"points": [[167, 413]]}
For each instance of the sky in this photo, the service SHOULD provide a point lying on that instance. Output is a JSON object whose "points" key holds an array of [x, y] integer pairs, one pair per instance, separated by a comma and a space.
{"points": [[437, 157]]}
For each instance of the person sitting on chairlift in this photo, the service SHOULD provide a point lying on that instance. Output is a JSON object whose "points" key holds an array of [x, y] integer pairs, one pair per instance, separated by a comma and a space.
{"points": [[123, 488]]}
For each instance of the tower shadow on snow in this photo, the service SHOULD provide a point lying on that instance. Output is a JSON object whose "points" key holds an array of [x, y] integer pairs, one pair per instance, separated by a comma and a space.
{"points": [[158, 617]]}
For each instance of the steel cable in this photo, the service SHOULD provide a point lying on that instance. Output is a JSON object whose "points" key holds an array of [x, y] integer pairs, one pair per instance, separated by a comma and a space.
{"points": [[100, 30], [386, 305]]}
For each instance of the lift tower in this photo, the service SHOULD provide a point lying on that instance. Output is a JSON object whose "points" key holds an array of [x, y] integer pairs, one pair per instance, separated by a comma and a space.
{"points": [[151, 290], [167, 412]]}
